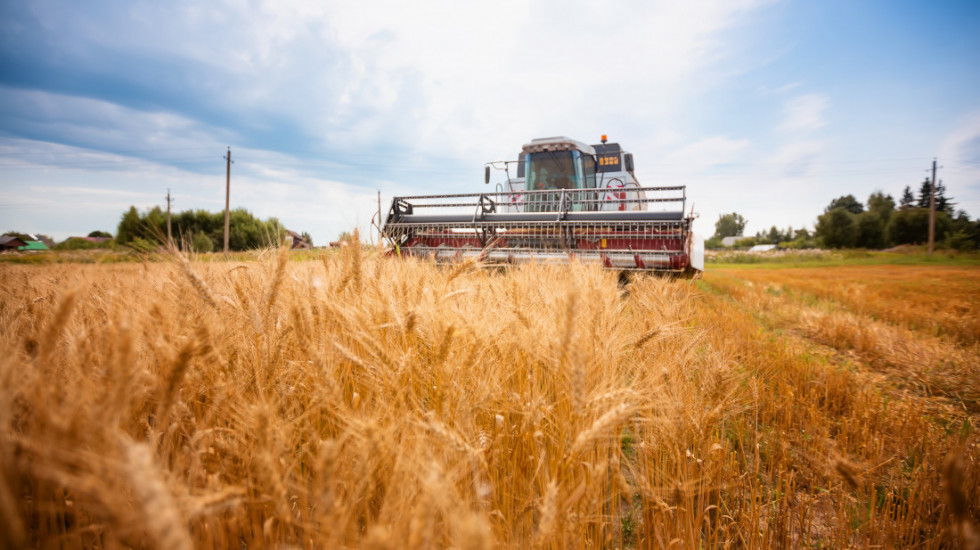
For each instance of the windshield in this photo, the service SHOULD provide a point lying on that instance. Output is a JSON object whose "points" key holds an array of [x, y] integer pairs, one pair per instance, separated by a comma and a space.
{"points": [[554, 170]]}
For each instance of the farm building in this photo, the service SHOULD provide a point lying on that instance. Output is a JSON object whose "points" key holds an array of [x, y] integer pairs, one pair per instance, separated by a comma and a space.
{"points": [[33, 245], [296, 241], [8, 242], [25, 241], [730, 241], [97, 240]]}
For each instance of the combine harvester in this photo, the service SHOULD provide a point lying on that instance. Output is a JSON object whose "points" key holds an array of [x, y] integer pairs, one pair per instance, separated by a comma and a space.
{"points": [[568, 201]]}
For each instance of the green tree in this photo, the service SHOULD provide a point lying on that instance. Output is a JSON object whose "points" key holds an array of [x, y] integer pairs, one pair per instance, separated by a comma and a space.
{"points": [[870, 230], [911, 226], [847, 202], [881, 204], [801, 238], [837, 228], [775, 235], [729, 225], [924, 190], [193, 222], [969, 230], [155, 223], [943, 203], [102, 234], [958, 241], [712, 243], [129, 226], [908, 199], [246, 231], [202, 243], [75, 243]]}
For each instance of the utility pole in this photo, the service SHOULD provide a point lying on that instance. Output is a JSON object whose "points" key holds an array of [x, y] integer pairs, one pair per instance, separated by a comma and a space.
{"points": [[227, 196], [170, 239], [932, 208]]}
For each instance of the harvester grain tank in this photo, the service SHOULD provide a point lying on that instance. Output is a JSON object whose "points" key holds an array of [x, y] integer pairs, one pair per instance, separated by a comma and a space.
{"points": [[566, 200]]}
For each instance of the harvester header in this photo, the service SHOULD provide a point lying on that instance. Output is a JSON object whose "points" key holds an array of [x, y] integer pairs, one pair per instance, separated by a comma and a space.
{"points": [[567, 201]]}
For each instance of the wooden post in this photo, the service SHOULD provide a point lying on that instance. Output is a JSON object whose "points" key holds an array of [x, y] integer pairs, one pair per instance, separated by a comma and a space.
{"points": [[170, 239], [227, 196], [932, 209]]}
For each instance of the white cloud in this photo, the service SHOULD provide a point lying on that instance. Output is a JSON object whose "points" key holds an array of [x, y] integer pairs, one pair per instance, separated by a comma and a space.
{"points": [[464, 79], [959, 153], [960, 145], [107, 126], [103, 186], [796, 158], [709, 152], [407, 82], [787, 87], [804, 113]]}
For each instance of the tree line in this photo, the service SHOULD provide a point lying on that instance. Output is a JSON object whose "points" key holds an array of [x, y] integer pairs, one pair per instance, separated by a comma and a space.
{"points": [[198, 230], [877, 223]]}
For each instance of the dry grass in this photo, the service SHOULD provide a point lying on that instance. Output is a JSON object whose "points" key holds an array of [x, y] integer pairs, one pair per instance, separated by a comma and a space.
{"points": [[939, 301], [920, 326], [362, 401]]}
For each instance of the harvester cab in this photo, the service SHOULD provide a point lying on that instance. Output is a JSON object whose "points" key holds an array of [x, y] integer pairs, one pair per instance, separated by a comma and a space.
{"points": [[559, 163], [567, 200]]}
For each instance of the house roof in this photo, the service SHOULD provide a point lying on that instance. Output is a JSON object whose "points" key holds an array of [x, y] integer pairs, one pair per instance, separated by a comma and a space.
{"points": [[33, 245], [297, 240], [93, 239], [10, 240]]}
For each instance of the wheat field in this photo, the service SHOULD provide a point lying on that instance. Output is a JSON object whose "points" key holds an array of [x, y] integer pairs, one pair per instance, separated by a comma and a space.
{"points": [[355, 400]]}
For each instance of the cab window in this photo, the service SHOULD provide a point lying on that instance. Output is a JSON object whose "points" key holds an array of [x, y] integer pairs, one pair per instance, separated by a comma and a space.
{"points": [[553, 170], [588, 167]]}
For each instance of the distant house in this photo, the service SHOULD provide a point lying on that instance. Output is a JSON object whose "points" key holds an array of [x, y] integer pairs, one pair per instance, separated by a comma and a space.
{"points": [[33, 245], [11, 243], [44, 239], [296, 241], [730, 241], [96, 240]]}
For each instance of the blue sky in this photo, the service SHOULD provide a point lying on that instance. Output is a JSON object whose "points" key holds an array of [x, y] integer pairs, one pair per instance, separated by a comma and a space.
{"points": [[767, 108]]}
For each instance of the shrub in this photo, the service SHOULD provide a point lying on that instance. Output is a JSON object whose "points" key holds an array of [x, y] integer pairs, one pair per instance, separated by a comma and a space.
{"points": [[837, 228], [76, 243], [202, 243]]}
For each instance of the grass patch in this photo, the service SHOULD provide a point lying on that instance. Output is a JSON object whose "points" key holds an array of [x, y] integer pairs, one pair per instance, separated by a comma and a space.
{"points": [[826, 258]]}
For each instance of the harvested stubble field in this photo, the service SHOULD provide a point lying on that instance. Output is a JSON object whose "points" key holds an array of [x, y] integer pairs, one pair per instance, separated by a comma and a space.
{"points": [[361, 401]]}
